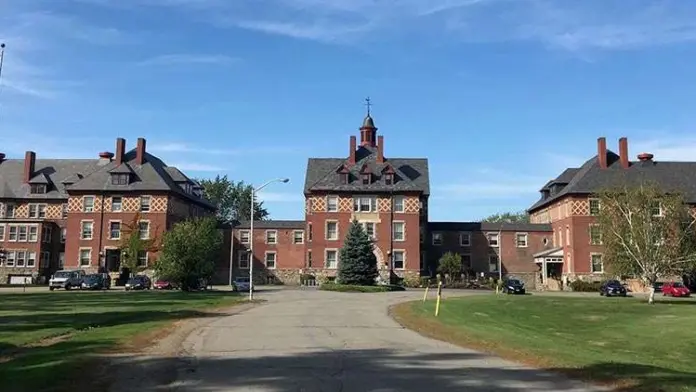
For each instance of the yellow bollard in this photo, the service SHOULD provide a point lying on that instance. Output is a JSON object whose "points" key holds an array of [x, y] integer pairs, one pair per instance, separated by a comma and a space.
{"points": [[425, 296], [439, 296]]}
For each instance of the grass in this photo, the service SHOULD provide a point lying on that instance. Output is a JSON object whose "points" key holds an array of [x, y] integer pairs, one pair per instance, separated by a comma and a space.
{"points": [[46, 338], [619, 341], [351, 288]]}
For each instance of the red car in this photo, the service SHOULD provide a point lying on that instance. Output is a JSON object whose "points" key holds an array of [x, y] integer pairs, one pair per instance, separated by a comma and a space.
{"points": [[675, 289], [163, 285]]}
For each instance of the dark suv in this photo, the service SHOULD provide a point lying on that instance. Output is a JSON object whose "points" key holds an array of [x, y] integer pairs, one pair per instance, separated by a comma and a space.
{"points": [[513, 286], [611, 288], [139, 282]]}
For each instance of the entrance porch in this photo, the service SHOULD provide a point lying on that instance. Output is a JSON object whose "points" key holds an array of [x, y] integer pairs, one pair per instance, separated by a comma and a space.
{"points": [[550, 264]]}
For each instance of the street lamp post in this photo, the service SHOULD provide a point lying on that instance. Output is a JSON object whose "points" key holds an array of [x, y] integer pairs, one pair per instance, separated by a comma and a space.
{"points": [[251, 231]]}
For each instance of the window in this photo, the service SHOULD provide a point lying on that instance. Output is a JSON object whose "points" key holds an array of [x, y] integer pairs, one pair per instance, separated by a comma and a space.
{"points": [[344, 178], [45, 259], [38, 189], [309, 259], [120, 178], [116, 204], [595, 235], [437, 239], [398, 232], [398, 204], [144, 203], [270, 260], [466, 260], [31, 259], [10, 258], [310, 233], [63, 234], [144, 229], [33, 233], [594, 206], [37, 211], [21, 258], [88, 204], [369, 228], [366, 178], [243, 259], [331, 258], [85, 257], [23, 236], [331, 203], [244, 236], [521, 240], [64, 210], [271, 237], [87, 228], [389, 179], [2, 232], [597, 265], [12, 234], [365, 204], [492, 239], [10, 210], [465, 239], [331, 230], [656, 209], [114, 230], [61, 260], [492, 263], [298, 237], [46, 234], [142, 258]]}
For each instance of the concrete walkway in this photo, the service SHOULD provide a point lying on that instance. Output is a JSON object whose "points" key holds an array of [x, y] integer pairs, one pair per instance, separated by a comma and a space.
{"points": [[306, 340]]}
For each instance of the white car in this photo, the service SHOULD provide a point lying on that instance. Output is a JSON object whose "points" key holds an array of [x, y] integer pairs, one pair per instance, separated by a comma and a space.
{"points": [[66, 279]]}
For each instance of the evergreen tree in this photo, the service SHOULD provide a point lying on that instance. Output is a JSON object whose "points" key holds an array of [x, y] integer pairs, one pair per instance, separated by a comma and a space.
{"points": [[357, 263]]}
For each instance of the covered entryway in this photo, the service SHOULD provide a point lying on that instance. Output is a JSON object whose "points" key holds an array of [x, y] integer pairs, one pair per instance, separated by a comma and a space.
{"points": [[551, 263]]}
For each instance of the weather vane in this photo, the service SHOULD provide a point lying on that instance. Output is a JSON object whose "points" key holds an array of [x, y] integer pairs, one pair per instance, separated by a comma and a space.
{"points": [[368, 103]]}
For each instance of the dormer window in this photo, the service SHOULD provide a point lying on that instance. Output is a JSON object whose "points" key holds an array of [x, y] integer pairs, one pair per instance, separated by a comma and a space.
{"points": [[366, 178], [389, 179], [344, 174], [120, 179], [344, 178], [38, 189]]}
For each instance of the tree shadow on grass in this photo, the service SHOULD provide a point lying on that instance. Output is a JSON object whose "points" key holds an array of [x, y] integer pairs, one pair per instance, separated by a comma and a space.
{"points": [[646, 378]]}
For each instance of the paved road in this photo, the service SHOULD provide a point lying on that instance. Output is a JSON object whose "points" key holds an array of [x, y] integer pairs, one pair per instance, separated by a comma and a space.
{"points": [[324, 341]]}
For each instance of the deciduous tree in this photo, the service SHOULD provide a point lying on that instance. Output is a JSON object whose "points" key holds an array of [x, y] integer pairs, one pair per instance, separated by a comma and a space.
{"points": [[135, 241], [646, 233], [189, 252], [508, 217], [357, 262], [450, 265], [232, 199]]}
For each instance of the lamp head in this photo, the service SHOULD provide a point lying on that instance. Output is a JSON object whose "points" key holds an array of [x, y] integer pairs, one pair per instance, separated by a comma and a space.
{"points": [[284, 180]]}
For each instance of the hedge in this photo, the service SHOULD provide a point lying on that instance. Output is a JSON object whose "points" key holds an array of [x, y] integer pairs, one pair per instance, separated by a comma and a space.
{"points": [[348, 288]]}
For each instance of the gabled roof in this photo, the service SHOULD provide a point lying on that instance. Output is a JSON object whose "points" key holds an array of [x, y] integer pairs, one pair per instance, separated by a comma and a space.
{"points": [[411, 174], [55, 171], [40, 178], [121, 169], [590, 178]]}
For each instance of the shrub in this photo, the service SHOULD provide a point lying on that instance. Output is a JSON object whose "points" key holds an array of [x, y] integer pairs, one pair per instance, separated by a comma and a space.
{"points": [[585, 287], [413, 281], [305, 277], [350, 288]]}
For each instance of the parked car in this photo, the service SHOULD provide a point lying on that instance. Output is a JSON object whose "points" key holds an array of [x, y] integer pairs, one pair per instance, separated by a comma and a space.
{"points": [[66, 279], [675, 289], [611, 288], [96, 282], [162, 284], [241, 284], [139, 282], [513, 286], [658, 286]]}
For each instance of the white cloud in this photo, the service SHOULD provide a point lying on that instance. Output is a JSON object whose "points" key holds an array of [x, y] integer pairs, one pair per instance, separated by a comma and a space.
{"points": [[668, 148], [188, 148], [280, 197], [189, 59]]}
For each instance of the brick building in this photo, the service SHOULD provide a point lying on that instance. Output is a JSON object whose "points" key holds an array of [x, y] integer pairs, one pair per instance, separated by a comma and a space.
{"points": [[568, 206], [389, 197], [69, 213]]}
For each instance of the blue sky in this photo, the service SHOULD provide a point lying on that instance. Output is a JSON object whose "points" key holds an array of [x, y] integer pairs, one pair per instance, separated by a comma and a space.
{"points": [[500, 95]]}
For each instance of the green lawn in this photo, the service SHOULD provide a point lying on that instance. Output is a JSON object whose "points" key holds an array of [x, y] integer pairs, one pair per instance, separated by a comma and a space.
{"points": [[622, 341], [45, 338]]}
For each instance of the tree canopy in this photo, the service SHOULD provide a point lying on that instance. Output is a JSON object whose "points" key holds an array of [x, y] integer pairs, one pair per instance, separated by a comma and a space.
{"points": [[189, 252], [135, 242], [450, 265], [508, 217], [232, 199], [357, 262], [644, 232]]}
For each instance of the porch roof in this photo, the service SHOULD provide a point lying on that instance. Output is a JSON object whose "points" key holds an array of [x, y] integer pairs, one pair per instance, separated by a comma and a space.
{"points": [[553, 252]]}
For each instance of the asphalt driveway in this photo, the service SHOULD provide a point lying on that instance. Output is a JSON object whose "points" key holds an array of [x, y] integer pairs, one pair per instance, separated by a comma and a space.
{"points": [[306, 340]]}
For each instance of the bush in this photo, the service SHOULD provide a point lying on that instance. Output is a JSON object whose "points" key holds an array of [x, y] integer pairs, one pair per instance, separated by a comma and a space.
{"points": [[351, 288], [412, 281], [585, 287], [306, 277]]}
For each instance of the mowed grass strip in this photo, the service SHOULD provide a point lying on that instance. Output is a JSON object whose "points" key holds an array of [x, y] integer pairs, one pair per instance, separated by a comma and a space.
{"points": [[46, 339], [621, 341]]}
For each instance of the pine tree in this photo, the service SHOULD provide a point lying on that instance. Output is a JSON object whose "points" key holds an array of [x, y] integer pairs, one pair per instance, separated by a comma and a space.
{"points": [[357, 263]]}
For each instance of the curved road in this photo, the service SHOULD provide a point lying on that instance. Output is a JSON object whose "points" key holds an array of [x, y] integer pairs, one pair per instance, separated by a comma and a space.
{"points": [[306, 340]]}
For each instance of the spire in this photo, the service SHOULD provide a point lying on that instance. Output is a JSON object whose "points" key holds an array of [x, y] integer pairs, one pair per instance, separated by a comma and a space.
{"points": [[368, 131]]}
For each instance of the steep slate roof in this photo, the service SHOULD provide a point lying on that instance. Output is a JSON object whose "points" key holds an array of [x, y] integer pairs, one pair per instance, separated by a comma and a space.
{"points": [[12, 184], [411, 174], [590, 178], [487, 226], [272, 224]]}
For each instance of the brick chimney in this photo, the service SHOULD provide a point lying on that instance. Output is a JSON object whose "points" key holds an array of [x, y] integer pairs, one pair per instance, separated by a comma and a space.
{"points": [[623, 152], [353, 147], [140, 151], [380, 149], [120, 150], [29, 163], [602, 152]]}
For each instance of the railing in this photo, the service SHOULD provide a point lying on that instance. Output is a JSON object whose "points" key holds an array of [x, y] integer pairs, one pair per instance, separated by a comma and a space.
{"points": [[309, 283]]}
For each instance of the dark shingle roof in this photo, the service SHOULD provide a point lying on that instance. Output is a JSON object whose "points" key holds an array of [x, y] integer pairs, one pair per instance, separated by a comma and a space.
{"points": [[273, 224], [487, 226], [677, 177], [411, 174], [56, 170]]}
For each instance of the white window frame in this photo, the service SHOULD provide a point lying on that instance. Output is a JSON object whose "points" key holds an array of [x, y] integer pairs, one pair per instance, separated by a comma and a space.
{"points": [[9, 233], [32, 233], [64, 211], [85, 205], [144, 234], [147, 258], [82, 230], [120, 228], [489, 237], [590, 201], [437, 235], [145, 203], [401, 201], [467, 235], [660, 210], [326, 258], [240, 259], [403, 231], [242, 235], [326, 230], [358, 204], [393, 260], [31, 256], [331, 201], [589, 234], [10, 207], [374, 229], [274, 239], [21, 258], [567, 236], [63, 234], [294, 237], [275, 259], [23, 233], [526, 240], [120, 203], [10, 258], [497, 262], [79, 257], [601, 259], [2, 231]]}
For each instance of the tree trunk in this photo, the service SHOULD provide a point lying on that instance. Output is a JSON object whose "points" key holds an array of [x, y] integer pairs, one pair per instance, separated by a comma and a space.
{"points": [[651, 297]]}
